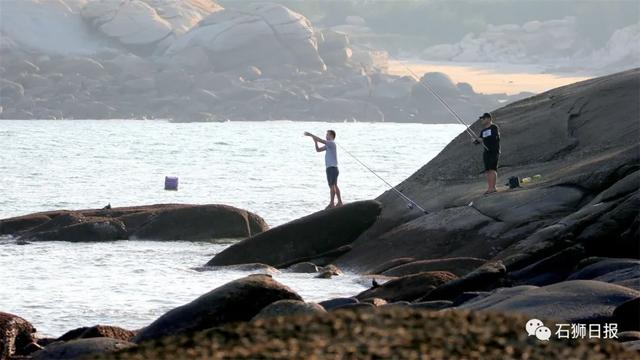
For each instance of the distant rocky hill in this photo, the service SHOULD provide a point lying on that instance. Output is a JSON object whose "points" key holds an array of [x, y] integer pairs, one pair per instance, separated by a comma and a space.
{"points": [[196, 61]]}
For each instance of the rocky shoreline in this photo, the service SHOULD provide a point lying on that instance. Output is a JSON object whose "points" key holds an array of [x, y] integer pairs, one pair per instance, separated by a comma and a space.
{"points": [[457, 282], [196, 61]]}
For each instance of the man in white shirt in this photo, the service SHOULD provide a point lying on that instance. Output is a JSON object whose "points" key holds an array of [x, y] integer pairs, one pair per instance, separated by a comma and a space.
{"points": [[331, 162]]}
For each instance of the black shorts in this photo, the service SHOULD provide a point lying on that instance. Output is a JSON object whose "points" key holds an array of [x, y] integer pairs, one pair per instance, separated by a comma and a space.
{"points": [[490, 160], [332, 175]]}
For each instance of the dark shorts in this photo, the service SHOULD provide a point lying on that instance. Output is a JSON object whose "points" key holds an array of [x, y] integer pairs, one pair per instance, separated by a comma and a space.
{"points": [[490, 161], [332, 175]]}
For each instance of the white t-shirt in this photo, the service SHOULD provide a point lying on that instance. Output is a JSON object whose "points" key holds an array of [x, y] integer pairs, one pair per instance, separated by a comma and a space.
{"points": [[331, 154]]}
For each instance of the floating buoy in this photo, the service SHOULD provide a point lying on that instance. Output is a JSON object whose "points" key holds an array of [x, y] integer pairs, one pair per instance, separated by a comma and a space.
{"points": [[171, 183]]}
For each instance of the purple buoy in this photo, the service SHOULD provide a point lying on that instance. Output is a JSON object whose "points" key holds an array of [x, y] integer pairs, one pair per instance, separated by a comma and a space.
{"points": [[171, 183]]}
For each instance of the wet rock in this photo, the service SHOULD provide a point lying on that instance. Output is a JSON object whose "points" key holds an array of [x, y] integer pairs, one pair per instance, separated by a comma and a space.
{"points": [[22, 223], [457, 266], [337, 303], [346, 223], [487, 277], [627, 315], [288, 308], [408, 288], [255, 268], [92, 230], [303, 267], [239, 300], [576, 301], [106, 331], [200, 222], [16, 334], [81, 348], [328, 272]]}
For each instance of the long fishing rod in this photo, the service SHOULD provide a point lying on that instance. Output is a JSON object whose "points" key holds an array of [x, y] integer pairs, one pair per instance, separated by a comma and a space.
{"points": [[410, 203], [441, 100]]}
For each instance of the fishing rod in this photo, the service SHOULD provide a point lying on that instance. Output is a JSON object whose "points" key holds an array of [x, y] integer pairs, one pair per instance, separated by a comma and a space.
{"points": [[410, 203], [425, 85]]}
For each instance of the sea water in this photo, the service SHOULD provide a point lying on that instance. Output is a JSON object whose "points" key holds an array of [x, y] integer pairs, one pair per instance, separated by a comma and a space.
{"points": [[269, 168]]}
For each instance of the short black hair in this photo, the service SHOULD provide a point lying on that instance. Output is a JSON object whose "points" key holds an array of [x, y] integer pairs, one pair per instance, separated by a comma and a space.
{"points": [[486, 115], [333, 133]]}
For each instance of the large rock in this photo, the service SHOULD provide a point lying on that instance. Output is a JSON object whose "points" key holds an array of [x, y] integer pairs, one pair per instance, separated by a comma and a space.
{"points": [[151, 222], [239, 300], [98, 331], [591, 141], [16, 333], [289, 308], [81, 348], [625, 272], [201, 222], [627, 315], [393, 332], [487, 277], [458, 266], [576, 301], [408, 288], [304, 238], [264, 35]]}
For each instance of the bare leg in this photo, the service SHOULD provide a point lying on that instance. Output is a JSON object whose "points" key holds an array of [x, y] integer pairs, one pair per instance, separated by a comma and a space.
{"points": [[492, 178], [337, 191], [333, 195]]}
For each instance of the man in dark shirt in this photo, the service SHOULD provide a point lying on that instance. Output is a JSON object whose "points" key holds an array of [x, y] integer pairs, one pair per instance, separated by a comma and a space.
{"points": [[490, 136]]}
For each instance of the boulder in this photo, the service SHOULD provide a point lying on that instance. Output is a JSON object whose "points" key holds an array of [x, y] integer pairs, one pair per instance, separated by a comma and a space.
{"points": [[457, 266], [239, 300], [329, 271], [575, 301], [81, 348], [551, 269], [16, 334], [525, 225], [132, 22], [337, 303], [98, 331], [303, 267], [289, 308], [22, 223], [259, 35], [200, 222], [627, 315], [149, 222], [393, 332], [487, 277], [408, 288], [255, 268], [93, 230], [625, 272], [305, 237]]}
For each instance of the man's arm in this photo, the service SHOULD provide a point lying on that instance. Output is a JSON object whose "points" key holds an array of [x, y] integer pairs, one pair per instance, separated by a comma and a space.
{"points": [[315, 138]]}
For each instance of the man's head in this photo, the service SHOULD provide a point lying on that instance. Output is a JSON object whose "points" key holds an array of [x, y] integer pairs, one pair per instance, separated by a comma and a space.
{"points": [[486, 119], [331, 135]]}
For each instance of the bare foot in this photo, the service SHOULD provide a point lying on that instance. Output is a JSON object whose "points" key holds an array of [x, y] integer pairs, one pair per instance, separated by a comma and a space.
{"points": [[339, 204], [330, 206]]}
